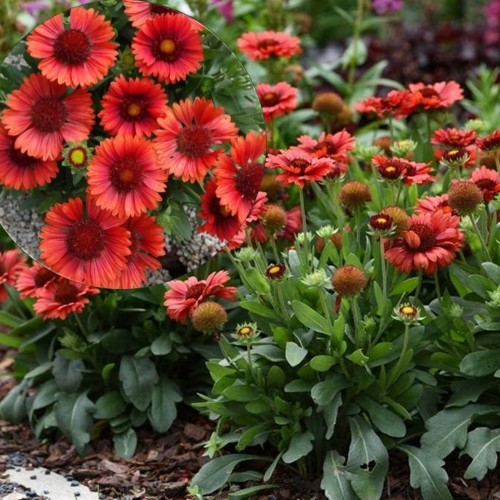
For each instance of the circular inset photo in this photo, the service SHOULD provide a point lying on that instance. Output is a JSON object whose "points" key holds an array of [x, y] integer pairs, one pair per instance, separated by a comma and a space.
{"points": [[131, 144]]}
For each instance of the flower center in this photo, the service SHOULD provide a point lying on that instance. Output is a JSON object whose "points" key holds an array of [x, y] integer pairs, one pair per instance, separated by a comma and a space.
{"points": [[409, 310], [19, 159], [428, 93], [160, 9], [248, 180], [419, 238], [78, 157], [134, 109], [48, 114], [270, 99], [72, 47], [66, 293], [42, 277], [126, 175], [195, 291], [194, 141], [223, 211], [166, 50], [245, 331], [485, 184], [300, 164], [86, 239], [266, 44]]}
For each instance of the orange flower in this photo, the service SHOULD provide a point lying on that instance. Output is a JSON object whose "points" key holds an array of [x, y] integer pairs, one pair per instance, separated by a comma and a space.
{"points": [[488, 181], [12, 262], [334, 146], [186, 141], [436, 96], [42, 115], [267, 44], [453, 138], [276, 100], [168, 48], [81, 54], [33, 279]]}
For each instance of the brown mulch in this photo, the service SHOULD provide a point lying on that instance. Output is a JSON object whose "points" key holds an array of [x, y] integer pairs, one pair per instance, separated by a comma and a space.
{"points": [[164, 464]]}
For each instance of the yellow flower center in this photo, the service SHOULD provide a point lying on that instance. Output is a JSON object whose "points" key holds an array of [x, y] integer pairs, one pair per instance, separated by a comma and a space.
{"points": [[453, 152], [275, 270], [134, 109], [167, 46], [390, 169], [77, 156], [381, 220], [245, 331], [408, 310]]}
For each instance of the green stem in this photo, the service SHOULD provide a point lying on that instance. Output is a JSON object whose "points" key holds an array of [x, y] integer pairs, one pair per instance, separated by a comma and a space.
{"points": [[358, 336], [358, 20], [83, 330], [303, 210], [397, 369], [438, 288], [273, 246], [419, 286], [480, 236], [15, 301], [324, 305]]}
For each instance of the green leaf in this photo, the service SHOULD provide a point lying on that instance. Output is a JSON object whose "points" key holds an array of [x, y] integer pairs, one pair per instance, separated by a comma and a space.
{"points": [[68, 373], [358, 357], [256, 281], [322, 363], [9, 320], [368, 460], [10, 341], [13, 406], [300, 446], [162, 345], [330, 412], [215, 474], [163, 409], [324, 392], [480, 363], [493, 271], [242, 393], [406, 286], [427, 473], [125, 443], [335, 482], [109, 406], [483, 444], [138, 377], [259, 309], [294, 354], [447, 429], [74, 418], [385, 420], [311, 319]]}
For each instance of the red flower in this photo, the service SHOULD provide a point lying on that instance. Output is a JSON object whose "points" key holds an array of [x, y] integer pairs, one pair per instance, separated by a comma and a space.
{"points": [[436, 96], [139, 12], [490, 142], [19, 170], [453, 138], [218, 221], [147, 243], [397, 103], [125, 177], [59, 299], [89, 246], [334, 146], [488, 181], [431, 241], [398, 168], [276, 100], [189, 132], [12, 262], [132, 107], [33, 279], [299, 167], [432, 204], [81, 54], [42, 116], [258, 46], [183, 297], [239, 175], [168, 48]]}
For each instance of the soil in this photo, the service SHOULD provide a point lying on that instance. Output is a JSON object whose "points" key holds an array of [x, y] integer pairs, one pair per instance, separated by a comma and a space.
{"points": [[164, 464]]}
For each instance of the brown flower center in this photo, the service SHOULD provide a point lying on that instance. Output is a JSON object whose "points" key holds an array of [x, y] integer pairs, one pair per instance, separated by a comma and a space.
{"points": [[428, 93], [126, 175], [195, 291], [72, 47], [248, 180], [300, 163], [270, 99], [132, 108], [48, 114], [267, 44], [19, 159], [419, 238], [194, 141], [43, 276], [86, 239], [66, 293]]}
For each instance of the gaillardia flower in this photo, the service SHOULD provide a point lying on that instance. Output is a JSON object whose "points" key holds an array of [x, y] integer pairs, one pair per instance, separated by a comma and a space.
{"points": [[12, 262], [431, 241], [276, 100], [62, 297], [267, 44], [33, 279], [125, 177], [41, 116], [349, 280], [132, 106], [19, 170], [88, 244], [183, 297], [79, 55], [488, 181], [208, 317], [168, 47], [189, 132]]}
